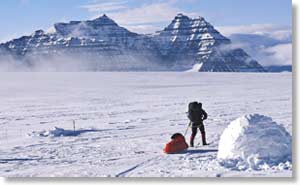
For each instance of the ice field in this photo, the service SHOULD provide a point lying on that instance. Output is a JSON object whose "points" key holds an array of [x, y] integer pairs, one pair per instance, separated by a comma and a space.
{"points": [[123, 121]]}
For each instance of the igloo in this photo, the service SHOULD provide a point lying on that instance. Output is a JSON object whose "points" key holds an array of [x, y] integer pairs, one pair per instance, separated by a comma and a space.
{"points": [[254, 141]]}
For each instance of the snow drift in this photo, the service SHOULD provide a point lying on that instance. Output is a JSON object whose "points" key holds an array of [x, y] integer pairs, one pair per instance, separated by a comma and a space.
{"points": [[255, 142], [60, 132]]}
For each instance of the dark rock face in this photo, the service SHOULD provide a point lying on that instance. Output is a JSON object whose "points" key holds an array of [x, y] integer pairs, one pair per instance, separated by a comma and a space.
{"points": [[108, 47]]}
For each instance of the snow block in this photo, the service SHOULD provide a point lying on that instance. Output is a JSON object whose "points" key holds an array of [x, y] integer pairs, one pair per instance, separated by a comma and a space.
{"points": [[254, 142], [177, 144]]}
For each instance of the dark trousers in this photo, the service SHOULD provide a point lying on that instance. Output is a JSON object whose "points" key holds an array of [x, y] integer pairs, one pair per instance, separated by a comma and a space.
{"points": [[194, 133]]}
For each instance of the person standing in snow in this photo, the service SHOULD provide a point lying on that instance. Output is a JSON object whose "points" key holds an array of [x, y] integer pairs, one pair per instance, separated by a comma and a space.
{"points": [[196, 116]]}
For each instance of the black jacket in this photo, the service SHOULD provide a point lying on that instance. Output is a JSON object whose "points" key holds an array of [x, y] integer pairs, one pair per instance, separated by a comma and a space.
{"points": [[197, 116]]}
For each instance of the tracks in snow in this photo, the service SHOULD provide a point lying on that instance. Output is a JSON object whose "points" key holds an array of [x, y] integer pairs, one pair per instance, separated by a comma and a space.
{"points": [[129, 170]]}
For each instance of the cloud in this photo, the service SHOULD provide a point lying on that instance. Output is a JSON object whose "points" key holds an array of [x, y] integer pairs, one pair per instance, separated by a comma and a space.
{"points": [[276, 31], [269, 44], [2, 40], [265, 53], [282, 34], [143, 29], [280, 54], [141, 19], [149, 13], [105, 6]]}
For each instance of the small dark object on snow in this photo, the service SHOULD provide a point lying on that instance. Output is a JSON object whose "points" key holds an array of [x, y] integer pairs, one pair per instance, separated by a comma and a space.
{"points": [[176, 135]]}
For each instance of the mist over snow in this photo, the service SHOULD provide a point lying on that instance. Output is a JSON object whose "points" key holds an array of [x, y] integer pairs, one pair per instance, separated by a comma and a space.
{"points": [[71, 63]]}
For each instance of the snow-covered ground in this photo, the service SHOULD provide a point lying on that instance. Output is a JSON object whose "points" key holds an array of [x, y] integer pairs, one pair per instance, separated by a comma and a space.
{"points": [[124, 120]]}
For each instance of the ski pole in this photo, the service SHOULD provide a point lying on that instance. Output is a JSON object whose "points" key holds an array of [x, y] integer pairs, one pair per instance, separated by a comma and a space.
{"points": [[74, 126], [187, 128]]}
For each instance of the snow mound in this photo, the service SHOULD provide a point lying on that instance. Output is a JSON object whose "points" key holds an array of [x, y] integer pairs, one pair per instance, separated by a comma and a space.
{"points": [[59, 132], [255, 142]]}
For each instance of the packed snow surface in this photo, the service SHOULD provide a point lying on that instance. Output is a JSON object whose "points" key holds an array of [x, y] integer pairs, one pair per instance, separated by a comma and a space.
{"points": [[124, 120], [254, 141]]}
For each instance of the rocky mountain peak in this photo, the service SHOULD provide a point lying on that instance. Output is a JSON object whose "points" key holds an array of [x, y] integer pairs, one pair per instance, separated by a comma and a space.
{"points": [[184, 28], [38, 33], [103, 21], [181, 16], [101, 28], [191, 35]]}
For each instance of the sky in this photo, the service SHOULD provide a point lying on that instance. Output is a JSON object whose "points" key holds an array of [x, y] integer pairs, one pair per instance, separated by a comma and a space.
{"points": [[19, 17]]}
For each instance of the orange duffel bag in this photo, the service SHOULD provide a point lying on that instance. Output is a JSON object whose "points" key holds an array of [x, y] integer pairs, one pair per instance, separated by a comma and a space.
{"points": [[177, 144]]}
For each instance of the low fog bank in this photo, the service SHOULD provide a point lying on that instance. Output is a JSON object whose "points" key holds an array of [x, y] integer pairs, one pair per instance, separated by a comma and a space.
{"points": [[67, 63]]}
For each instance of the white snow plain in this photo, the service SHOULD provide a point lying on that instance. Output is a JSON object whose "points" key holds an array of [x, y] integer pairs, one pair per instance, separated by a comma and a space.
{"points": [[255, 141], [124, 120]]}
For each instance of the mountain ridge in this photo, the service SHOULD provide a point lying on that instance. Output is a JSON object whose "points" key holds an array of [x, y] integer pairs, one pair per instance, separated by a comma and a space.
{"points": [[185, 42]]}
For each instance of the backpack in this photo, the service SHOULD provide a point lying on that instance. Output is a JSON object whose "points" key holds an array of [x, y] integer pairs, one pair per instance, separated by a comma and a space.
{"points": [[195, 112]]}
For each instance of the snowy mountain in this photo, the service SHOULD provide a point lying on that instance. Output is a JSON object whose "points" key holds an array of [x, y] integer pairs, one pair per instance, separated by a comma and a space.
{"points": [[188, 42], [102, 45]]}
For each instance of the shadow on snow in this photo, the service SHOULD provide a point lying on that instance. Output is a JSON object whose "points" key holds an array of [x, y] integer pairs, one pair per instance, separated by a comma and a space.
{"points": [[197, 151]]}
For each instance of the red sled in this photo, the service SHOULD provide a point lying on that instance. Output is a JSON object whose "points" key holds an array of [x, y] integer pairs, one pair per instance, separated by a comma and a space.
{"points": [[177, 144]]}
